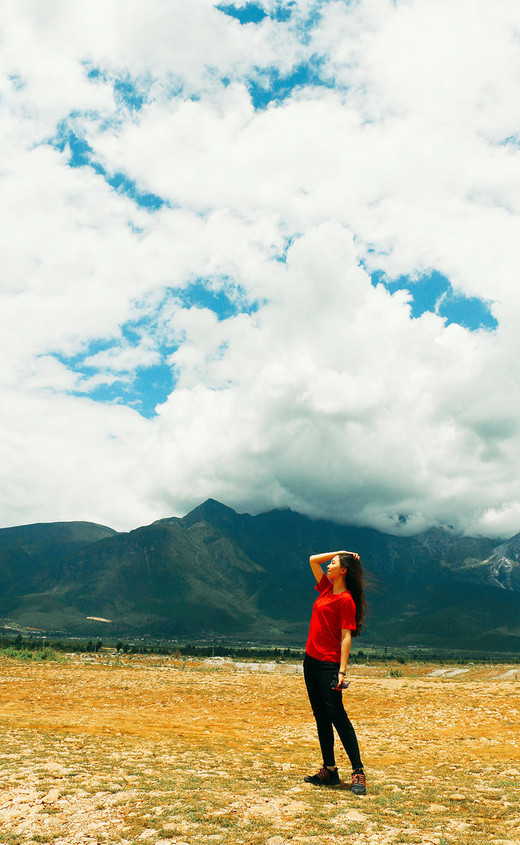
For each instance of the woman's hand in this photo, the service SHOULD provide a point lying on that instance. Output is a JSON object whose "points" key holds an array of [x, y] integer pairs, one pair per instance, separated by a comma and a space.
{"points": [[352, 554], [341, 678]]}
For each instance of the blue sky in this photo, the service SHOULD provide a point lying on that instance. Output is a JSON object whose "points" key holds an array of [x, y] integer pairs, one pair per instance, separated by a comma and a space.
{"points": [[264, 252]]}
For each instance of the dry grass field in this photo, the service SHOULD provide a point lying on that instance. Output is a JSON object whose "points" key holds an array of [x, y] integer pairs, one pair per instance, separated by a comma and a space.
{"points": [[152, 750]]}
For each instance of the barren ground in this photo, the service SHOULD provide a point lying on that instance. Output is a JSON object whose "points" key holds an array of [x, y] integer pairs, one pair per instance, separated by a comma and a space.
{"points": [[152, 750]]}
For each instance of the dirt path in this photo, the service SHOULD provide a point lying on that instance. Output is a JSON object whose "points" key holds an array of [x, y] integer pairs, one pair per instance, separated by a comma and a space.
{"points": [[166, 751]]}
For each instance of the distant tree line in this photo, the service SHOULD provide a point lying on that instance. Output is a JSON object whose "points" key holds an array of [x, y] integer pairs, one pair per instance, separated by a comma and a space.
{"points": [[43, 648]]}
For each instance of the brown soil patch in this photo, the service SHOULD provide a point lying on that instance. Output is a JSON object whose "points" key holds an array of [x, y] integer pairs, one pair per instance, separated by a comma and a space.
{"points": [[99, 750]]}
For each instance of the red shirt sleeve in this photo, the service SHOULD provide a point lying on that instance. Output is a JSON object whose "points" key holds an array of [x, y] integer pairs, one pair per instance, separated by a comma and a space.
{"points": [[323, 584]]}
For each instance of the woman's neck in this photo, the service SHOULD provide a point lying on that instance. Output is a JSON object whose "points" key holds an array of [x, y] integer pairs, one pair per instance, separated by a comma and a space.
{"points": [[339, 586]]}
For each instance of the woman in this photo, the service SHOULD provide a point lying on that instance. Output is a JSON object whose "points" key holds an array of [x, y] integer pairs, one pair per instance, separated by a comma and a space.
{"points": [[337, 616]]}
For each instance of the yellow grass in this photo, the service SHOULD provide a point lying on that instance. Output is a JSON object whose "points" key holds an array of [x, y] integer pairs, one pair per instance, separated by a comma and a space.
{"points": [[148, 750]]}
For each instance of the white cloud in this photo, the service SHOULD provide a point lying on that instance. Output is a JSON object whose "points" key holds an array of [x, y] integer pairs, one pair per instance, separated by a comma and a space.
{"points": [[338, 403], [66, 458], [328, 397], [123, 360]]}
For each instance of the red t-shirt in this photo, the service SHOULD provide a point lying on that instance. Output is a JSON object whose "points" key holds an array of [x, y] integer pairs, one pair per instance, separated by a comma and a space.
{"points": [[330, 613]]}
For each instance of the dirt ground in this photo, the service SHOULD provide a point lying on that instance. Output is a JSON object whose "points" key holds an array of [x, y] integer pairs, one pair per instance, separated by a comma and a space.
{"points": [[148, 750]]}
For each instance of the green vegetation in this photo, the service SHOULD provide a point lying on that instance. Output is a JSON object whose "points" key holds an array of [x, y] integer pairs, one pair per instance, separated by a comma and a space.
{"points": [[39, 648], [25, 652]]}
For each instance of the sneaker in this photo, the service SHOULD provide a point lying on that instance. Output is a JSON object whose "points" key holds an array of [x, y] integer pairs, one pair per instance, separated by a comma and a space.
{"points": [[323, 778], [359, 784]]}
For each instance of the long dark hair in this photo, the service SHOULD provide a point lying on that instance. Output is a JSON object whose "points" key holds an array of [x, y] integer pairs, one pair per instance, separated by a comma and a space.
{"points": [[351, 563]]}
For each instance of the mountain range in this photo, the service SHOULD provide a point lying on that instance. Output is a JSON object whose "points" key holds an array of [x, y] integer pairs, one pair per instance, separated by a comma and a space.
{"points": [[218, 574]]}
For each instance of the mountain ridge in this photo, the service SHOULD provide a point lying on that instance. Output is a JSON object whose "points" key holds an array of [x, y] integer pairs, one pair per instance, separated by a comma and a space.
{"points": [[217, 573]]}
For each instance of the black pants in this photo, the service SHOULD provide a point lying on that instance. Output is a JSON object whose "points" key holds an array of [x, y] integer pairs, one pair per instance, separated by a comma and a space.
{"points": [[327, 706]]}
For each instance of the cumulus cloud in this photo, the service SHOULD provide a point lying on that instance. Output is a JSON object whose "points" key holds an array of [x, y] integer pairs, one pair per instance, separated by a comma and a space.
{"points": [[334, 401], [394, 150]]}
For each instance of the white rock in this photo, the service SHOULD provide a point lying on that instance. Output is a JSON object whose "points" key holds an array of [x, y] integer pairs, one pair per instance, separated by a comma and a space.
{"points": [[350, 816], [51, 797]]}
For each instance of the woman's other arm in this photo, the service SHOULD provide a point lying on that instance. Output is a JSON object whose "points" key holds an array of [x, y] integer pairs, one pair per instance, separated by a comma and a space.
{"points": [[316, 561], [346, 641]]}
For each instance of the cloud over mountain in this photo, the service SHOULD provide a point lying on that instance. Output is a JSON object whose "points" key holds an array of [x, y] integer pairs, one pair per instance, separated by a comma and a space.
{"points": [[261, 252]]}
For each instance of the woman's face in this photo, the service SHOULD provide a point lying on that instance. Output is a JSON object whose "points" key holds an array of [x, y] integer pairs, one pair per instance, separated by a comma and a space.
{"points": [[334, 569]]}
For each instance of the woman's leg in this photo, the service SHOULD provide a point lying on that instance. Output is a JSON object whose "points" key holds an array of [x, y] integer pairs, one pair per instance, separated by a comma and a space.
{"points": [[311, 673], [336, 712], [347, 736]]}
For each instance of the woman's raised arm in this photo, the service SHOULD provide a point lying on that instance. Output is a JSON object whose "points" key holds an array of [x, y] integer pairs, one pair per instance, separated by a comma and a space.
{"points": [[316, 561]]}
